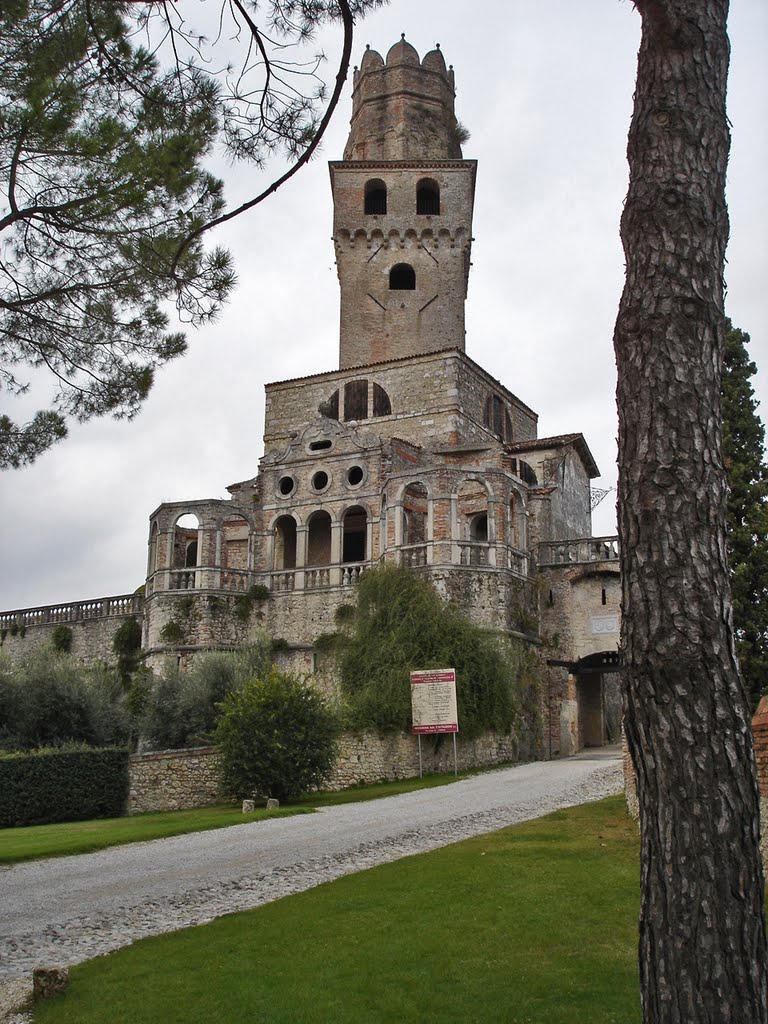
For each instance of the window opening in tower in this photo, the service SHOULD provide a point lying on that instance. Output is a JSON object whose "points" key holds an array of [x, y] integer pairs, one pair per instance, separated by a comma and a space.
{"points": [[375, 197], [428, 197], [402, 277]]}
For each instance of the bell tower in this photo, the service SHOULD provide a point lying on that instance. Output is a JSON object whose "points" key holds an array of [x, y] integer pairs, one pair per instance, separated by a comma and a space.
{"points": [[403, 199]]}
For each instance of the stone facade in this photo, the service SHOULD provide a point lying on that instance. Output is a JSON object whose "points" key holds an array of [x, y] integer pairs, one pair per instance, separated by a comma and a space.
{"points": [[409, 453]]}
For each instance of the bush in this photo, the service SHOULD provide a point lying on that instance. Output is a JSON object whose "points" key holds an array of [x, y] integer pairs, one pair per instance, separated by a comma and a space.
{"points": [[126, 643], [61, 639], [62, 785], [50, 698], [179, 709], [402, 624], [276, 738]]}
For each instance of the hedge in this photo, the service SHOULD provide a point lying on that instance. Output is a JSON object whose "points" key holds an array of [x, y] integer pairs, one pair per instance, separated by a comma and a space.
{"points": [[44, 786]]}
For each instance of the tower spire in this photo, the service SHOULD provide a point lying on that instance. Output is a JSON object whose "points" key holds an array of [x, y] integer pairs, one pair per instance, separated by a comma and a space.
{"points": [[403, 200]]}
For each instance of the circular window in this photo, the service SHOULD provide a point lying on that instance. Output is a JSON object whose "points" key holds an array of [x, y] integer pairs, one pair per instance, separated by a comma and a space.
{"points": [[355, 475], [320, 480], [286, 485]]}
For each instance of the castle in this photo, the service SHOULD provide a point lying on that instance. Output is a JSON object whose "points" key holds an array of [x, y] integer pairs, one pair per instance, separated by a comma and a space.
{"points": [[409, 453]]}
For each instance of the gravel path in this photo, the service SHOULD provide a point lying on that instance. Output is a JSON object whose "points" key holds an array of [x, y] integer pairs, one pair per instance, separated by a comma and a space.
{"points": [[65, 910]]}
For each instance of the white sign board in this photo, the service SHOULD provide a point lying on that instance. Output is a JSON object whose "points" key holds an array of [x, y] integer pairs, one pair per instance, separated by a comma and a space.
{"points": [[605, 624], [433, 701]]}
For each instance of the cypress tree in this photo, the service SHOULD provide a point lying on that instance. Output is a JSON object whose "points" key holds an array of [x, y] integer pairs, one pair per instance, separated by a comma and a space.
{"points": [[747, 511]]}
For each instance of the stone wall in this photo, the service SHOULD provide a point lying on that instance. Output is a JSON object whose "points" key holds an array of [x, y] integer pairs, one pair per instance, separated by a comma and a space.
{"points": [[93, 625], [172, 780]]}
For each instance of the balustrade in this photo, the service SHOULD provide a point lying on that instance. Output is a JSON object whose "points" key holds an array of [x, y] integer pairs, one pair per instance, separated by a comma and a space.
{"points": [[474, 552], [77, 611], [317, 579], [583, 549], [351, 574], [413, 555]]}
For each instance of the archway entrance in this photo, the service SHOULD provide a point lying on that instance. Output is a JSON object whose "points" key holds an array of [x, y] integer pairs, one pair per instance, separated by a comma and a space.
{"points": [[599, 699]]}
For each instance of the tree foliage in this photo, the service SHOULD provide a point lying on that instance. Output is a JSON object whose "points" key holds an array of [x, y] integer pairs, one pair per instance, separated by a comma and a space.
{"points": [[50, 698], [179, 709], [276, 738], [108, 112], [401, 625], [747, 513]]}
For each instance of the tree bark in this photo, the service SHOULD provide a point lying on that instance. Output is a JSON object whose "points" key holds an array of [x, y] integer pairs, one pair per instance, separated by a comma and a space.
{"points": [[702, 930]]}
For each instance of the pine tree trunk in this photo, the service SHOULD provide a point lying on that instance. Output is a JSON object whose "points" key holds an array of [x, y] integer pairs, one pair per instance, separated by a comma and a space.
{"points": [[702, 933]]}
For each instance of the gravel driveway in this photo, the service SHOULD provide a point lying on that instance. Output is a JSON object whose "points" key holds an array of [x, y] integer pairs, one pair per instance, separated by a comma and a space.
{"points": [[65, 910]]}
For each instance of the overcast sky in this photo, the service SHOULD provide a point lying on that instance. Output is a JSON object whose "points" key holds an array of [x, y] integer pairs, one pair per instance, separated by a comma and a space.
{"points": [[545, 91]]}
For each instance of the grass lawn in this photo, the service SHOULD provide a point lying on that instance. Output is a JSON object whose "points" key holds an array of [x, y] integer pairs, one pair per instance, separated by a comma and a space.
{"points": [[69, 837], [535, 924]]}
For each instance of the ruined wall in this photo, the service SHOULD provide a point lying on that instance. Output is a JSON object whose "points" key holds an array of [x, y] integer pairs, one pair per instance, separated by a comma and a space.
{"points": [[437, 398]]}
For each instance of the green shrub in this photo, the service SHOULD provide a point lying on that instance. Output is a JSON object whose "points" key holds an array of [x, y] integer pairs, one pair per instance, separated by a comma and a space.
{"points": [[62, 785], [172, 633], [244, 603], [49, 698], [179, 708], [276, 738], [401, 624], [61, 639], [126, 643]]}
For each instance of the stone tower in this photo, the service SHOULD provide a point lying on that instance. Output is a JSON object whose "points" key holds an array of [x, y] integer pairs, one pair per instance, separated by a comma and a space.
{"points": [[403, 199]]}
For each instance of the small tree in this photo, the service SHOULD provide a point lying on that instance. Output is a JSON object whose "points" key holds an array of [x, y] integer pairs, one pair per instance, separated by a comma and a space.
{"points": [[747, 512], [179, 709], [401, 624], [50, 698], [276, 737]]}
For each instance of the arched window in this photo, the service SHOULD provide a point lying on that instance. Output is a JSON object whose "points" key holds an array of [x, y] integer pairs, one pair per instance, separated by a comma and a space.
{"points": [[285, 543], [496, 418], [427, 197], [354, 539], [402, 277], [356, 400], [478, 528], [319, 539], [234, 548], [381, 403], [415, 514], [375, 196], [185, 541]]}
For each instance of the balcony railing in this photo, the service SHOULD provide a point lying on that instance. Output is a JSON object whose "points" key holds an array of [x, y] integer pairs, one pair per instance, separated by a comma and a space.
{"points": [[413, 555], [77, 611], [585, 549]]}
